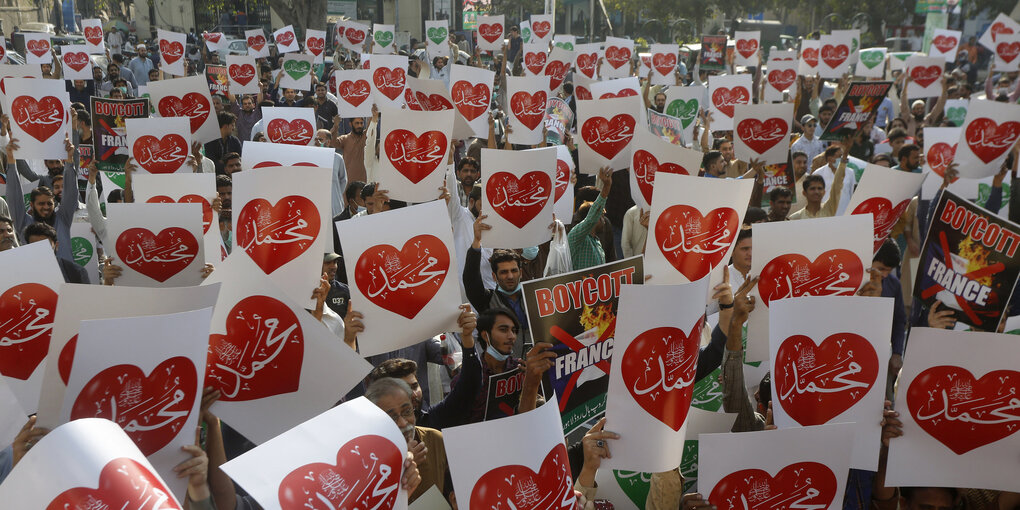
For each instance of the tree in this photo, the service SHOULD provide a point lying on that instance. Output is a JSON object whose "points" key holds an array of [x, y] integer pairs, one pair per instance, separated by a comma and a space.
{"points": [[302, 14]]}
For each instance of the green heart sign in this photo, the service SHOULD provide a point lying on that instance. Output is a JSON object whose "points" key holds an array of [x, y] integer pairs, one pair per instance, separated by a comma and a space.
{"points": [[956, 115], [686, 111], [870, 59], [435, 34], [526, 34], [383, 38], [297, 69], [81, 250], [117, 178], [902, 55], [985, 191], [689, 465], [853, 45], [569, 46], [635, 485], [707, 393]]}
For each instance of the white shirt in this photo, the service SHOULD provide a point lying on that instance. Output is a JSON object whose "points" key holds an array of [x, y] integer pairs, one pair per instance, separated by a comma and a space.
{"points": [[811, 147], [849, 183]]}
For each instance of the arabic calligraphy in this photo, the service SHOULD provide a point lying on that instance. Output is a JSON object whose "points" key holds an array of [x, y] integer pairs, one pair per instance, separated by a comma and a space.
{"points": [[799, 486], [403, 281], [366, 475]]}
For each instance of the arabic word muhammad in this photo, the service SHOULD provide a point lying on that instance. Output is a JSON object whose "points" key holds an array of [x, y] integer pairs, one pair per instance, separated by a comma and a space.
{"points": [[964, 412], [816, 383], [415, 157], [275, 234], [366, 476], [158, 256], [692, 243], [885, 215], [390, 82], [799, 486], [518, 200], [608, 137], [529, 108], [472, 100], [192, 105], [261, 353], [515, 486], [151, 409], [123, 483], [761, 136], [988, 140], [833, 273], [26, 322], [355, 92], [39, 118], [645, 165], [403, 281], [295, 132], [658, 368], [160, 155], [725, 99]]}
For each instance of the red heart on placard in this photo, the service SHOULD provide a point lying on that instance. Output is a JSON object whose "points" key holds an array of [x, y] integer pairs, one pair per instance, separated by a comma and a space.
{"points": [[151, 409], [944, 43], [961, 411], [618, 93], [158, 256], [123, 483], [242, 74], [432, 102], [40, 119], [541, 28], [781, 80], [925, 75], [411, 101], [321, 485], [725, 99], [835, 272], [529, 109], [885, 216], [193, 105], [582, 92], [268, 164], [285, 38], [608, 137], [556, 71], [354, 36], [261, 353], [66, 359], [518, 200], [692, 243], [517, 486], [664, 388], [760, 136], [999, 28], [160, 155], [562, 178], [403, 281], [315, 45], [93, 35], [645, 165], [188, 199], [664, 63], [617, 56], [1008, 51], [939, 156], [170, 51], [586, 63], [988, 140], [816, 383], [274, 235], [799, 485], [471, 100], [257, 42], [38, 47], [835, 54], [27, 311], [747, 47], [76, 60], [390, 82], [355, 92], [810, 56], [293, 132], [535, 61], [415, 157], [213, 37], [490, 31]]}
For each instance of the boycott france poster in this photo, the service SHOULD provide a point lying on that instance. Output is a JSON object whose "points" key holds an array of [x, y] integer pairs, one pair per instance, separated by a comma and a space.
{"points": [[969, 262], [858, 105], [109, 131], [576, 312]]}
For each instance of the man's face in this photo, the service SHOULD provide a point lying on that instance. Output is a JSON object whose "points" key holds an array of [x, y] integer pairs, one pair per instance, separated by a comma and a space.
{"points": [[320, 92], [247, 104], [113, 72], [233, 166], [883, 269], [742, 251], [917, 110], [468, 175], [660, 101], [780, 207], [416, 394], [143, 51], [289, 94], [931, 499], [912, 161], [815, 192], [330, 269], [218, 105], [717, 167], [97, 74], [799, 165], [358, 126], [824, 116], [46, 68], [43, 206], [322, 138], [79, 84], [896, 144], [58, 188], [154, 75], [809, 129], [7, 239], [503, 335], [226, 194], [401, 411], [726, 148], [508, 274]]}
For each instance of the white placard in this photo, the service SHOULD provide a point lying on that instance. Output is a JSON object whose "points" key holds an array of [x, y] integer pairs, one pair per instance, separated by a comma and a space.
{"points": [[560, 60], [489, 33], [3, 50], [815, 257], [282, 224], [286, 41], [241, 72], [354, 36], [586, 59], [518, 195], [526, 98], [564, 41], [808, 63], [39, 116], [664, 60], [780, 77], [37, 48], [16, 71], [156, 245], [413, 149], [989, 132], [652, 155], [606, 130], [542, 28], [12, 414], [388, 79], [160, 145], [428, 95], [315, 44], [834, 55], [724, 93], [399, 265], [354, 90], [382, 39], [75, 63], [171, 51], [762, 132], [92, 30], [185, 188], [871, 63], [957, 407], [215, 41], [617, 55], [832, 370], [897, 59], [289, 126], [885, 194], [257, 44], [85, 249], [431, 499], [685, 103], [944, 43], [471, 91], [956, 111], [564, 206], [940, 151], [296, 72], [1001, 26], [619, 87], [146, 374], [265, 154], [925, 77], [355, 444], [1007, 52], [745, 48], [187, 97], [437, 37]]}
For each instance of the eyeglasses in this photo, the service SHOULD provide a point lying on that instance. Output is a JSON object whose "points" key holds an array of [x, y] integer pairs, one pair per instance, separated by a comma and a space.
{"points": [[406, 413]]}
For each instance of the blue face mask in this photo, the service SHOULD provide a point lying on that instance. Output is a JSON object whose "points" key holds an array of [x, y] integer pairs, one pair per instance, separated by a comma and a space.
{"points": [[498, 356], [509, 292], [530, 253]]}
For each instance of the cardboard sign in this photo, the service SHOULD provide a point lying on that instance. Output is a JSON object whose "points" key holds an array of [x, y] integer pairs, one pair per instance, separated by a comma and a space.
{"points": [[957, 407], [559, 118], [925, 76], [388, 79], [685, 103], [762, 132], [85, 250], [667, 128], [429, 96], [75, 63], [171, 51], [724, 93], [282, 224], [16, 71], [1001, 26], [504, 394], [534, 58], [28, 301], [563, 207], [354, 90], [399, 267], [854, 36], [586, 58], [606, 130], [860, 102], [956, 111], [808, 64], [286, 41], [215, 41], [713, 52], [564, 41], [297, 72], [242, 73], [518, 195], [834, 55], [692, 226], [382, 39], [13, 416], [664, 63], [257, 46], [217, 79], [489, 33], [871, 63], [265, 154], [885, 194], [944, 43], [185, 188], [989, 132], [187, 97], [354, 35], [652, 376], [617, 56], [92, 29], [3, 50], [354, 449], [290, 126], [747, 45], [156, 244], [832, 370], [1007, 52], [39, 116], [437, 37], [780, 78], [527, 106], [471, 91], [542, 28], [619, 87], [315, 44], [940, 150], [159, 146], [413, 151], [652, 156], [37, 48]]}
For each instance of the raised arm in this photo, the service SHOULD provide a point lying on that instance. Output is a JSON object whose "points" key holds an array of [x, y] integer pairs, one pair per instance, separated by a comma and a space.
{"points": [[69, 203], [15, 194]]}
